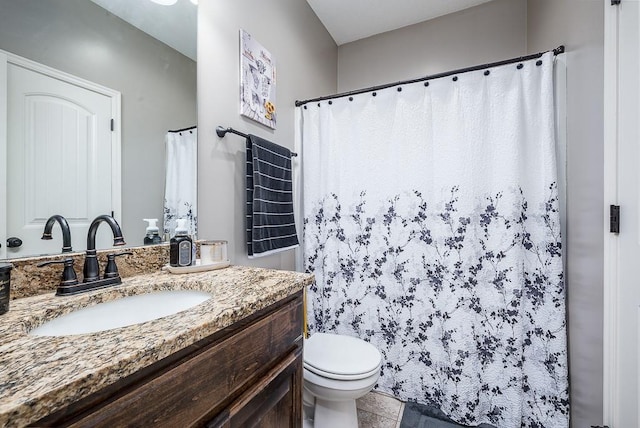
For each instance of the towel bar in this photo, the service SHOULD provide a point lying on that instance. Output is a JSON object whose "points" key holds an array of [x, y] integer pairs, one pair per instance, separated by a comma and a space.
{"points": [[223, 131]]}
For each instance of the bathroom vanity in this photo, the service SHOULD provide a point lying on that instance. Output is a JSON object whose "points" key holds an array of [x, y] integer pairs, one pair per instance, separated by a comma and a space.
{"points": [[234, 360]]}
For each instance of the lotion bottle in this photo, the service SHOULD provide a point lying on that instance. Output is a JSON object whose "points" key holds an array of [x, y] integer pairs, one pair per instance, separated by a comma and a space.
{"points": [[181, 246], [153, 234]]}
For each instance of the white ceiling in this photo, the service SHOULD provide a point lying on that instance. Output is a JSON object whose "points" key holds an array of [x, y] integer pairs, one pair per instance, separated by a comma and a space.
{"points": [[346, 20], [350, 20], [174, 25]]}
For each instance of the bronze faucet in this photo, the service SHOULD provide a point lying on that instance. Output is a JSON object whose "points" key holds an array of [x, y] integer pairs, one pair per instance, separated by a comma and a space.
{"points": [[91, 269], [66, 231], [69, 284]]}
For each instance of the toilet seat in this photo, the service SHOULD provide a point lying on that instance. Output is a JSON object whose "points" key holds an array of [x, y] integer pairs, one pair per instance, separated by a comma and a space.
{"points": [[340, 357], [335, 376]]}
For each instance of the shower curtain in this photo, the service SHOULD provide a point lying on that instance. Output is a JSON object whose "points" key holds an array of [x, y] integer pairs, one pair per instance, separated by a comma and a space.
{"points": [[431, 224], [180, 191]]}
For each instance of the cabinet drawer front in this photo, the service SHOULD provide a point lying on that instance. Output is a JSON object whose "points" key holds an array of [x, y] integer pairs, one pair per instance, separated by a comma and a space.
{"points": [[270, 403], [199, 387]]}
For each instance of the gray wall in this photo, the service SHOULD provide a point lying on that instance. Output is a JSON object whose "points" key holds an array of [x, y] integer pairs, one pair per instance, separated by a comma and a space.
{"points": [[485, 33], [158, 85], [306, 58], [579, 25]]}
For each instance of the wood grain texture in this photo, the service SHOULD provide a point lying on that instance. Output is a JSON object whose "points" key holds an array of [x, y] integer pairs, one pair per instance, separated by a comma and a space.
{"points": [[256, 363]]}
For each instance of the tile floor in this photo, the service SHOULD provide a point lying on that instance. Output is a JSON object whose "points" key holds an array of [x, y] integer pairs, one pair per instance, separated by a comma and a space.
{"points": [[378, 410]]}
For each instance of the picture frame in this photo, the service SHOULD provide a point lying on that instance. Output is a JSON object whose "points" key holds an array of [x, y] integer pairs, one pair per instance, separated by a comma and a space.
{"points": [[257, 82]]}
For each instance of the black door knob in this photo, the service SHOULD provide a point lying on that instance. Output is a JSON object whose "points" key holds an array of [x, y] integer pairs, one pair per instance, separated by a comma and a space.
{"points": [[14, 242]]}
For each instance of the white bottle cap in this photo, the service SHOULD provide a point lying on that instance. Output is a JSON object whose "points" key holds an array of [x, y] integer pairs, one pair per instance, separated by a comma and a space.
{"points": [[152, 227], [181, 228]]}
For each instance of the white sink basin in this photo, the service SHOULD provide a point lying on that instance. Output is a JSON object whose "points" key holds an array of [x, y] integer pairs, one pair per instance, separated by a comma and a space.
{"points": [[122, 312]]}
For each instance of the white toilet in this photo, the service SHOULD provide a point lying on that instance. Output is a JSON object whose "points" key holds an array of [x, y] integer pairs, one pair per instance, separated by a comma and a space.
{"points": [[337, 370]]}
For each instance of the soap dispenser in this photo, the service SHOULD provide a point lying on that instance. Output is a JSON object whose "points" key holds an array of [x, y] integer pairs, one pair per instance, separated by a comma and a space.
{"points": [[181, 246], [153, 234]]}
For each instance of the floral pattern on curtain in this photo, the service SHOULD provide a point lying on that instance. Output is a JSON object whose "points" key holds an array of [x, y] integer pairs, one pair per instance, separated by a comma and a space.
{"points": [[449, 263], [419, 266]]}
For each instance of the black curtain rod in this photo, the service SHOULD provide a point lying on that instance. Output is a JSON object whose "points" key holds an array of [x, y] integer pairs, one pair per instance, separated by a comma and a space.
{"points": [[221, 131], [185, 129], [556, 51]]}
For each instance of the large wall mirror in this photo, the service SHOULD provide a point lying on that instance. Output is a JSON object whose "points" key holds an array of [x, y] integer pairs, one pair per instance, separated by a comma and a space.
{"points": [[100, 41]]}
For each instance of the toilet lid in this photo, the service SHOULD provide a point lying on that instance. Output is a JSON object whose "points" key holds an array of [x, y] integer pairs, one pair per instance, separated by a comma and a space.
{"points": [[344, 356]]}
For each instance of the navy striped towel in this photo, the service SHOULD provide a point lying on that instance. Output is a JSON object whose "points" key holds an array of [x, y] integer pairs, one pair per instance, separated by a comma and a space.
{"points": [[270, 224]]}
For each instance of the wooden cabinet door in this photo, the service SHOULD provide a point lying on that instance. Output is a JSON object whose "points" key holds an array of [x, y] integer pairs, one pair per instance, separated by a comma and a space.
{"points": [[274, 402]]}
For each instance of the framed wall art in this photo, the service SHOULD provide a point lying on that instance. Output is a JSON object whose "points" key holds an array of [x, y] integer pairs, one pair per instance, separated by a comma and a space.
{"points": [[257, 81]]}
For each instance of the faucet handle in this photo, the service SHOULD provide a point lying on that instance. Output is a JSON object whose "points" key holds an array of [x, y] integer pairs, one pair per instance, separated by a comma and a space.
{"points": [[111, 271], [68, 274]]}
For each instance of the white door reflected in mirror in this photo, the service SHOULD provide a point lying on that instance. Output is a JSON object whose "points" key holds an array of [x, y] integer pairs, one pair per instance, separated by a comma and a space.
{"points": [[62, 156]]}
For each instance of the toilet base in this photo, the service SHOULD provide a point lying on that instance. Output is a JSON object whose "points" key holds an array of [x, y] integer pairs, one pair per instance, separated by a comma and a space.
{"points": [[331, 414]]}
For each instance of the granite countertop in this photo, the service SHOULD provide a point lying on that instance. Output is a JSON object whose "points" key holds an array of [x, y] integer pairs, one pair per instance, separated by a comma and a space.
{"points": [[40, 375]]}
